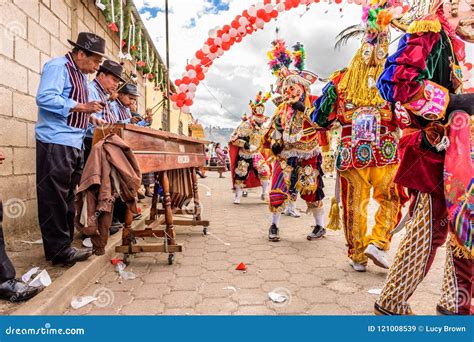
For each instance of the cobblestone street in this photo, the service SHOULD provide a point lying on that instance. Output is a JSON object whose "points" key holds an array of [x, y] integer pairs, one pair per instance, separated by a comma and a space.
{"points": [[314, 275]]}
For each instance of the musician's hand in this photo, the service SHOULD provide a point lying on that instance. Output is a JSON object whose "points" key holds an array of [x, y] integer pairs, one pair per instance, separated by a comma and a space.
{"points": [[2, 157], [298, 106], [253, 148], [149, 119], [94, 120], [90, 107], [135, 119]]}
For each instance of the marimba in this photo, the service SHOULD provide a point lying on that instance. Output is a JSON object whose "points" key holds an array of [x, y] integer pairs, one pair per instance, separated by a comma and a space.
{"points": [[173, 159]]}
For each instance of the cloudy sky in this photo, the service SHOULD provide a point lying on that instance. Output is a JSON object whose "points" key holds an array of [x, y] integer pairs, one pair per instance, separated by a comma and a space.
{"points": [[241, 72]]}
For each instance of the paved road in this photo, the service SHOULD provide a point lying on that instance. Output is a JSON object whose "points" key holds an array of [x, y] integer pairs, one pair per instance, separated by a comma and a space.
{"points": [[314, 275]]}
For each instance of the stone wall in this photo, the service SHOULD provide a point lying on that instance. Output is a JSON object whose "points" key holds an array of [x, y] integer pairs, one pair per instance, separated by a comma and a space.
{"points": [[31, 33]]}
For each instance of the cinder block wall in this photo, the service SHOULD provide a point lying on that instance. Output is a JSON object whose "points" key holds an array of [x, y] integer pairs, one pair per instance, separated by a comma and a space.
{"points": [[31, 33]]}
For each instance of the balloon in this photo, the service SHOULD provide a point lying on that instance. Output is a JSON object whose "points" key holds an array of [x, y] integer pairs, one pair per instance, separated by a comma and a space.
{"points": [[259, 6], [260, 23], [252, 11], [212, 56], [195, 81], [198, 68], [192, 87], [181, 96], [274, 14], [267, 17], [200, 54], [280, 7], [186, 80], [220, 52], [225, 38], [242, 30], [194, 61], [183, 87], [188, 102], [189, 67], [238, 39], [213, 34], [205, 49], [206, 61], [177, 82], [185, 109], [191, 74], [218, 41], [200, 76], [213, 49], [225, 46], [233, 32], [174, 97], [261, 13], [268, 8], [243, 21], [180, 103]]}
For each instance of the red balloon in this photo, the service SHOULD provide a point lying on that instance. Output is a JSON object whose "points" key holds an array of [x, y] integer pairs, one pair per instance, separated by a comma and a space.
{"points": [[338, 1], [174, 97], [225, 46], [177, 82], [238, 39], [246, 14], [180, 103], [195, 81], [267, 17], [261, 13], [220, 33], [210, 41], [266, 2], [274, 14], [198, 68], [181, 97], [186, 80], [200, 54], [189, 67], [252, 20], [249, 29], [235, 24], [226, 28], [206, 61], [296, 3], [200, 76], [213, 48], [188, 102]]}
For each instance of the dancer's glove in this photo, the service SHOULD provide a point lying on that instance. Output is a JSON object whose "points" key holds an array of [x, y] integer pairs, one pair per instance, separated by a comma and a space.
{"points": [[276, 149], [464, 102], [253, 148]]}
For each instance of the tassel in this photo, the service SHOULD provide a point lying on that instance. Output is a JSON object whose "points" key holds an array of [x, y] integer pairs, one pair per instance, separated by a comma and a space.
{"points": [[422, 26], [334, 216]]}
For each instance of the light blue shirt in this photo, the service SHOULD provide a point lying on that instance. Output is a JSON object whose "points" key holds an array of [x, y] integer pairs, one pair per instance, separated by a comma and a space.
{"points": [[54, 106], [94, 96], [115, 108]]}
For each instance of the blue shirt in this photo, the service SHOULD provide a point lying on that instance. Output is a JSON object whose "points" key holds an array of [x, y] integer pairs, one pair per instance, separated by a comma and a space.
{"points": [[117, 106], [97, 94], [54, 106]]}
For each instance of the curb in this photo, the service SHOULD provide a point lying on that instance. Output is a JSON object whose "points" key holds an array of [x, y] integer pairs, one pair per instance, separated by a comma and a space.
{"points": [[56, 298]]}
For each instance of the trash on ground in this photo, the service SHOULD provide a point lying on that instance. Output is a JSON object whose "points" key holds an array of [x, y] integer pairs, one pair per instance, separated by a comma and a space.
{"points": [[87, 242], [79, 302], [375, 291], [241, 267], [27, 276], [120, 268], [208, 194], [36, 242], [230, 288], [277, 297], [41, 280], [116, 261]]}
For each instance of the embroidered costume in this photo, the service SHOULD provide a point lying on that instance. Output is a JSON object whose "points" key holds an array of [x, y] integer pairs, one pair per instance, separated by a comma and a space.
{"points": [[423, 79], [295, 142], [367, 156], [249, 167]]}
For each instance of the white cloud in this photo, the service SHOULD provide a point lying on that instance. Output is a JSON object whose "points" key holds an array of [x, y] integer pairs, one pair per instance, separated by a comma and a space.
{"points": [[241, 72]]}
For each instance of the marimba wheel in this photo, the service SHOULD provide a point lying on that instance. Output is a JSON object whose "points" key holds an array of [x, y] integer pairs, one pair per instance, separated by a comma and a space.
{"points": [[170, 259], [204, 231], [126, 259]]}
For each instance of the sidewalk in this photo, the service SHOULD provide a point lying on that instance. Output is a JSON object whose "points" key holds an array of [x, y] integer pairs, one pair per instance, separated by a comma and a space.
{"points": [[314, 275]]}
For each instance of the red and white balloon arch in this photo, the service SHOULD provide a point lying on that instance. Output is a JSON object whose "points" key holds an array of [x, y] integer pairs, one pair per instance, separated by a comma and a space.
{"points": [[222, 39]]}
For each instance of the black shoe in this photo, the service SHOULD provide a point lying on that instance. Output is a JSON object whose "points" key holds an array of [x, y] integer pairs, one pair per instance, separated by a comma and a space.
{"points": [[274, 233], [16, 291], [137, 216], [73, 255], [116, 223], [317, 233], [114, 230]]}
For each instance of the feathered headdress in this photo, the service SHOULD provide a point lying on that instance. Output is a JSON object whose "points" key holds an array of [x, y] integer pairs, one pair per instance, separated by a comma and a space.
{"points": [[260, 100], [299, 56], [279, 56]]}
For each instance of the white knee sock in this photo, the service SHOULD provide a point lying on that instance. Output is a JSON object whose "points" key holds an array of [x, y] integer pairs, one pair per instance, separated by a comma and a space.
{"points": [[318, 214], [265, 187], [291, 205], [238, 192], [276, 219]]}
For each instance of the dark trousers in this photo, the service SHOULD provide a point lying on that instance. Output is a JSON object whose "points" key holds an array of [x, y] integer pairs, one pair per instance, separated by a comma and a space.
{"points": [[7, 271], [87, 148], [58, 172]]}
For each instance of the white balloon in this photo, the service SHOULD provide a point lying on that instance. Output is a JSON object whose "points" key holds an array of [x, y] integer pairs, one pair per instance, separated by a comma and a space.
{"points": [[269, 8], [260, 23], [212, 56], [205, 49], [303, 2], [212, 33], [260, 5], [183, 87], [225, 37], [252, 11], [243, 21], [218, 41], [190, 95], [195, 61], [280, 7], [242, 30], [192, 74], [233, 32], [192, 88], [220, 52]]}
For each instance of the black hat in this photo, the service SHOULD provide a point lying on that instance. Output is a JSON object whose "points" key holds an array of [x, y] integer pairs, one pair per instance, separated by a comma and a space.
{"points": [[129, 89], [113, 68], [90, 42]]}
